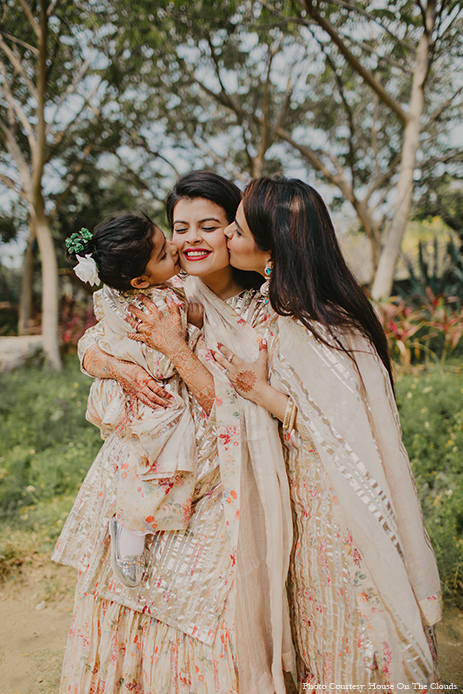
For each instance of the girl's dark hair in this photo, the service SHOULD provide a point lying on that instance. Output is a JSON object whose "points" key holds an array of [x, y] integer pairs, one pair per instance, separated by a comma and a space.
{"points": [[121, 247], [310, 279], [211, 186]]}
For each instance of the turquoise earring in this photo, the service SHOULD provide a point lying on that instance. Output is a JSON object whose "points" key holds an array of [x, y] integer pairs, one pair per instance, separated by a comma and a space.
{"points": [[264, 290]]}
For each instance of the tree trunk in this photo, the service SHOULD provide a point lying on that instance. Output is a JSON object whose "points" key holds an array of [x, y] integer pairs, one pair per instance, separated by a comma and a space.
{"points": [[371, 228], [382, 284], [50, 292], [50, 287], [25, 301]]}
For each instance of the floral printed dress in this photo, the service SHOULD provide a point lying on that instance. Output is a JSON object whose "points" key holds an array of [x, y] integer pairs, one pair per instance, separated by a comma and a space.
{"points": [[175, 632]]}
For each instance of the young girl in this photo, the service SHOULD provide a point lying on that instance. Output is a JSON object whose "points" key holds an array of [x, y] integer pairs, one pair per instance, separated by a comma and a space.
{"points": [[131, 256]]}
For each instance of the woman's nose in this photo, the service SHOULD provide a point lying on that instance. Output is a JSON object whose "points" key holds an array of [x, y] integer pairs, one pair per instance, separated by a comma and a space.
{"points": [[228, 231], [192, 235]]}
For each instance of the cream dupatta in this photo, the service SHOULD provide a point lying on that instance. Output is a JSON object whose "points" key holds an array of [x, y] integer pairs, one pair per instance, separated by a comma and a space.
{"points": [[348, 408], [257, 508]]}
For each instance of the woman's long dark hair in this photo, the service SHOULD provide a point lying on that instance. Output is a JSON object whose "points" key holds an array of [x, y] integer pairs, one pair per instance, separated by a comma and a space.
{"points": [[211, 186], [310, 279]]}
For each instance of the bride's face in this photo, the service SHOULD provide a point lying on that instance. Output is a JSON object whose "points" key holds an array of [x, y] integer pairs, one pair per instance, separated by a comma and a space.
{"points": [[244, 252], [198, 233]]}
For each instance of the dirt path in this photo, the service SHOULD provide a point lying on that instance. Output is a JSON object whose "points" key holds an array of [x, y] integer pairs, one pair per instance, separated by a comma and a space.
{"points": [[35, 614]]}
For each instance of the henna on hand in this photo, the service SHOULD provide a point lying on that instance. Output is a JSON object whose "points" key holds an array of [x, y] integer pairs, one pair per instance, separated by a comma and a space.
{"points": [[158, 330], [196, 376], [245, 381], [136, 383], [165, 332]]}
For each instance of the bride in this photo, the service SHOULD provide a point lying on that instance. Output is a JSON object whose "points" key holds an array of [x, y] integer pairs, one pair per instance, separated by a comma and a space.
{"points": [[211, 606]]}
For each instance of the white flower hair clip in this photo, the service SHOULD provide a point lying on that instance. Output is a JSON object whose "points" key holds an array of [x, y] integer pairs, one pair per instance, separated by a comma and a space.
{"points": [[87, 269]]}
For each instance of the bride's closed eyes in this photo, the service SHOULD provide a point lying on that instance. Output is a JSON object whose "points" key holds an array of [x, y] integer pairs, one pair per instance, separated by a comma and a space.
{"points": [[183, 227]]}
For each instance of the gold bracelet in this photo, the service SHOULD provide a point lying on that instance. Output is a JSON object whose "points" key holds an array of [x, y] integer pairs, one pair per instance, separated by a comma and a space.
{"points": [[292, 422], [290, 415]]}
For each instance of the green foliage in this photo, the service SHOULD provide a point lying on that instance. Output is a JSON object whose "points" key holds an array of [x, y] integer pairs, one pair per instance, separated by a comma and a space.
{"points": [[431, 408], [441, 273], [46, 447]]}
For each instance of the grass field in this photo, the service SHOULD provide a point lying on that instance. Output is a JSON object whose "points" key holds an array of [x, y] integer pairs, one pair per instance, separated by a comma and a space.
{"points": [[46, 447]]}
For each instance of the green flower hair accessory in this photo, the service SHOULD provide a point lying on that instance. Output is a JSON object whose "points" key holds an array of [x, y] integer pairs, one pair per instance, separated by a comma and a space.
{"points": [[76, 242]]}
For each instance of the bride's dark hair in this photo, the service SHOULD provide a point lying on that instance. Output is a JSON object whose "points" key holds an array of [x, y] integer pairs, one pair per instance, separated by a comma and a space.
{"points": [[211, 186], [310, 279]]}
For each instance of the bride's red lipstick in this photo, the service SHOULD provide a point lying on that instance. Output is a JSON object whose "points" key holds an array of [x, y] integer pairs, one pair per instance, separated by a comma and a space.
{"points": [[202, 253]]}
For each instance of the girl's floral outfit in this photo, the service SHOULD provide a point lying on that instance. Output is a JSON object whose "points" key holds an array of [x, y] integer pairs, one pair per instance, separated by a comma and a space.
{"points": [[219, 582], [155, 482]]}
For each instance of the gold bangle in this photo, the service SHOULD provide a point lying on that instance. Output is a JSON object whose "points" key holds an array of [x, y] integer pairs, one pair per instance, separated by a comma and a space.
{"points": [[292, 422], [290, 407]]}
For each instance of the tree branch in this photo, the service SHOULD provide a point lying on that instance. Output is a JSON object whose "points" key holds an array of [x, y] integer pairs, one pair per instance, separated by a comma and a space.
{"points": [[226, 100], [74, 177], [72, 87], [219, 160], [14, 105], [354, 62], [423, 13], [264, 140], [456, 155], [383, 177], [141, 141], [384, 58], [347, 108], [438, 112], [51, 7], [59, 137], [12, 184], [364, 13], [17, 156], [28, 46], [281, 115], [16, 63], [313, 157], [32, 20]]}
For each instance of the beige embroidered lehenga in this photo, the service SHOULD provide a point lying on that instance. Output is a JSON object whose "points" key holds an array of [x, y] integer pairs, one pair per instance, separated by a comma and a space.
{"points": [[363, 585], [177, 631]]}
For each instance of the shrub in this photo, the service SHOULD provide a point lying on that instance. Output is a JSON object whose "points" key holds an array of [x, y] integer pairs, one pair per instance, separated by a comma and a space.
{"points": [[431, 406], [422, 328], [46, 447], [75, 317]]}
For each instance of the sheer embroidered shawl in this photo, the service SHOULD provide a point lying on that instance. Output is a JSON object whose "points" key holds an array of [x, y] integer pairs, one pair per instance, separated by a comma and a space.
{"points": [[257, 508], [348, 407]]}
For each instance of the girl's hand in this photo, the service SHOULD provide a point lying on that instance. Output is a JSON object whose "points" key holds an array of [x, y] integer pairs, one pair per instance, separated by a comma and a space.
{"points": [[139, 386], [136, 383], [195, 314], [157, 329], [249, 379]]}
